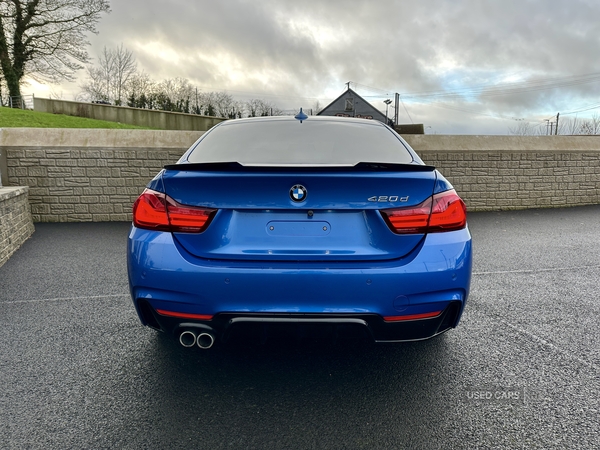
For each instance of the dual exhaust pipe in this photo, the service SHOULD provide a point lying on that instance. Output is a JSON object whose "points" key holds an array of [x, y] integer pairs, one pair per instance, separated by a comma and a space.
{"points": [[204, 340]]}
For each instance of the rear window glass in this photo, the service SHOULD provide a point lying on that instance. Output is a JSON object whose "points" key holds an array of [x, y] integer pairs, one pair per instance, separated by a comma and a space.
{"points": [[314, 142]]}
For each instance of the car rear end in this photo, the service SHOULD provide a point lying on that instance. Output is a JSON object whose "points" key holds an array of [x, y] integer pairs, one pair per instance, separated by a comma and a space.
{"points": [[274, 222]]}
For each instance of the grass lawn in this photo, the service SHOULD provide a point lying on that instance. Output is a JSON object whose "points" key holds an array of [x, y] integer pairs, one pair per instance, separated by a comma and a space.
{"points": [[20, 118]]}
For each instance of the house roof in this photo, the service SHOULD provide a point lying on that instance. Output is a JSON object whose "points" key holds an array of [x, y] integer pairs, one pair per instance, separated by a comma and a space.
{"points": [[360, 107]]}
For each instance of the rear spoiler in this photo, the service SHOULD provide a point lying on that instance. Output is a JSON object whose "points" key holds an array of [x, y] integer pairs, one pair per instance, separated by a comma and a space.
{"points": [[360, 167]]}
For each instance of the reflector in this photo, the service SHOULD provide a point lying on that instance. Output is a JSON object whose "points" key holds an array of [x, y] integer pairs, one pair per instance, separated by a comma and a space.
{"points": [[180, 315], [428, 315]]}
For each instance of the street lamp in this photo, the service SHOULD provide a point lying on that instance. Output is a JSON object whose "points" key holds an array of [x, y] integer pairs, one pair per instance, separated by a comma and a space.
{"points": [[387, 105]]}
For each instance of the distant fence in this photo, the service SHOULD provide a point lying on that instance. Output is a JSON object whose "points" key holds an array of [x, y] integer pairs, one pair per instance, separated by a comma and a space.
{"points": [[160, 120], [95, 175], [20, 102]]}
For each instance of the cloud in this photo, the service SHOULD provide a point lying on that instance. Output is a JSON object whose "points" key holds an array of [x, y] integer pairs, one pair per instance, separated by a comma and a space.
{"points": [[292, 53]]}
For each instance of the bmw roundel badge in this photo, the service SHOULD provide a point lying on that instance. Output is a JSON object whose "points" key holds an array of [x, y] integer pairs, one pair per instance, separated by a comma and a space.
{"points": [[298, 193]]}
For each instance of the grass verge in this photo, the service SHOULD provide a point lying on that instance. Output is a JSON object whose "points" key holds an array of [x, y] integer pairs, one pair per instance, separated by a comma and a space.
{"points": [[20, 118]]}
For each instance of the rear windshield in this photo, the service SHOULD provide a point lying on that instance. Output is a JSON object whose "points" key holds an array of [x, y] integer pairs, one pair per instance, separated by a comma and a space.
{"points": [[314, 142]]}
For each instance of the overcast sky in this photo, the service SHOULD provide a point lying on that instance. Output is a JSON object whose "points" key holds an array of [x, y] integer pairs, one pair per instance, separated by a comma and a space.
{"points": [[461, 66]]}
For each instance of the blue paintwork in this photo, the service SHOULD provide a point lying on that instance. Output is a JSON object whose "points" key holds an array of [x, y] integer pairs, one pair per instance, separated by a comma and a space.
{"points": [[163, 273], [331, 253], [340, 199], [441, 184], [265, 190], [246, 235], [301, 116]]}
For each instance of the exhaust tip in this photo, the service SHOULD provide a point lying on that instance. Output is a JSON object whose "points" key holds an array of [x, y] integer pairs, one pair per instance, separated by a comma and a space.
{"points": [[205, 340], [187, 339]]}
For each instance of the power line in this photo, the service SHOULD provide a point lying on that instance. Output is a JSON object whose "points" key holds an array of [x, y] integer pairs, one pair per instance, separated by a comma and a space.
{"points": [[585, 108], [440, 98], [487, 90], [508, 88], [402, 101], [437, 98]]}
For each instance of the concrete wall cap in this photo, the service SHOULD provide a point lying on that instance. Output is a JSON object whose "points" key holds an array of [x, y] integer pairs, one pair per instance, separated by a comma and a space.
{"points": [[92, 138], [503, 143], [8, 192]]}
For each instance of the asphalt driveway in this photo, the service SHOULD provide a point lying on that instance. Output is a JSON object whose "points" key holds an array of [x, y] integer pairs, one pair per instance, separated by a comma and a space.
{"points": [[521, 371]]}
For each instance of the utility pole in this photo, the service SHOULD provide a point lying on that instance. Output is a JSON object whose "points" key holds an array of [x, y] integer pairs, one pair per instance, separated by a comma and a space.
{"points": [[387, 102], [556, 129], [396, 108]]}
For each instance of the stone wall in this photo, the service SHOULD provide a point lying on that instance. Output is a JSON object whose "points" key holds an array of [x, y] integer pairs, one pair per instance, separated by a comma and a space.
{"points": [[95, 175], [15, 220], [88, 175], [516, 172]]}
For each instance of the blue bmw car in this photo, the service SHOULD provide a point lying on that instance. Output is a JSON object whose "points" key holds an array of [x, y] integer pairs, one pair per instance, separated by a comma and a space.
{"points": [[311, 222]]}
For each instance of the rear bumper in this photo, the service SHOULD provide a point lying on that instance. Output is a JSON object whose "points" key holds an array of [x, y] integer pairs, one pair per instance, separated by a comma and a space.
{"points": [[225, 325], [435, 277]]}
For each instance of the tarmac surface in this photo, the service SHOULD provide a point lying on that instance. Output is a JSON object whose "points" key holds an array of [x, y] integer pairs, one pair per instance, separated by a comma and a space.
{"points": [[522, 370]]}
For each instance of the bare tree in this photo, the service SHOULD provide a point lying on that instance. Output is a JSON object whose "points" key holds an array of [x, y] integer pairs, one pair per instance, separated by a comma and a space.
{"points": [[102, 75], [179, 91], [578, 126], [568, 126], [174, 94], [317, 107], [591, 126], [96, 87], [523, 128], [125, 68], [45, 39], [109, 78], [256, 108], [252, 107], [139, 88], [224, 103], [275, 111], [207, 104]]}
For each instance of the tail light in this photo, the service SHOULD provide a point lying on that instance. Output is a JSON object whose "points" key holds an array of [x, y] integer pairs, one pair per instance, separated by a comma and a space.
{"points": [[157, 211], [441, 212]]}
